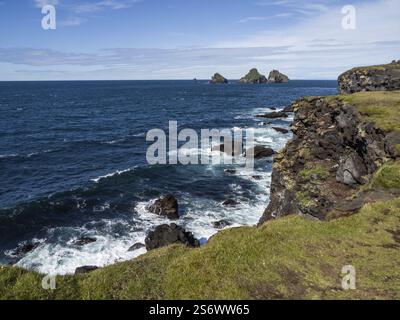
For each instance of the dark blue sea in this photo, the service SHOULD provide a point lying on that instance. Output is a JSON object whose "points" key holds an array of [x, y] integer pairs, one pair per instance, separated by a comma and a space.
{"points": [[73, 164]]}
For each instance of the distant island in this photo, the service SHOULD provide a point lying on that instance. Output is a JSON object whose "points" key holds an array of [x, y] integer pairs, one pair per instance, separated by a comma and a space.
{"points": [[255, 77], [218, 79]]}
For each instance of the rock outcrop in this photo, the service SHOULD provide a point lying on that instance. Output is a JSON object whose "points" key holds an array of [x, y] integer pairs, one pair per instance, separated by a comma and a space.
{"points": [[276, 77], [165, 235], [83, 241], [260, 152], [167, 206], [85, 269], [333, 152], [273, 115], [375, 78], [254, 77], [218, 79]]}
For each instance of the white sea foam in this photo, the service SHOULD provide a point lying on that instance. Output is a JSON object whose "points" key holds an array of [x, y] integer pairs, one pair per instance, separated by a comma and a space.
{"points": [[112, 174]]}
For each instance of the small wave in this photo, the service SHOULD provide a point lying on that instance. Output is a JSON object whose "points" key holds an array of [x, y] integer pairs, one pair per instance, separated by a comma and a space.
{"points": [[116, 173]]}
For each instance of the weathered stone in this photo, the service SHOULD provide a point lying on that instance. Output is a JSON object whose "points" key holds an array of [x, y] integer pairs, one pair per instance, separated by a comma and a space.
{"points": [[281, 130], [260, 152], [221, 224], [136, 246], [230, 203], [165, 235], [273, 115], [85, 269], [83, 241], [167, 206]]}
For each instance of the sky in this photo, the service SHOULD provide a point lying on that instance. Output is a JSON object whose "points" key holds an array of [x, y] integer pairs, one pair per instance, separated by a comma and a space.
{"points": [[186, 39]]}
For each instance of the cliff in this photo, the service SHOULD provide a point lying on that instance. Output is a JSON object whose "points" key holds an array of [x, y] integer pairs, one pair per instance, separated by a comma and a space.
{"points": [[374, 78], [336, 149]]}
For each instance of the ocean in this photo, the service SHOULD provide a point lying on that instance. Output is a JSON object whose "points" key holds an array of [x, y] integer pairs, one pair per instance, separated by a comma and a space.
{"points": [[73, 164]]}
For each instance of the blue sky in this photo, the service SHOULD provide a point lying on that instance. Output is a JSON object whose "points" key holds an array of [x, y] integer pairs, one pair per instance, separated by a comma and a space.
{"points": [[183, 39]]}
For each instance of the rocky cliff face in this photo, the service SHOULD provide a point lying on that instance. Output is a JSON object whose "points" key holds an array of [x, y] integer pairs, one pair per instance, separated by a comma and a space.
{"points": [[276, 77], [376, 78], [333, 153]]}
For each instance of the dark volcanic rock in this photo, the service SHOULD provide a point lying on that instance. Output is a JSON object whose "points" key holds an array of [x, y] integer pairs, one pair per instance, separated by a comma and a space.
{"points": [[261, 152], [23, 248], [288, 109], [376, 78], [218, 79], [273, 115], [230, 171], [281, 130], [333, 152], [85, 269], [254, 77], [165, 235], [230, 203], [136, 246], [167, 206], [276, 77], [221, 224], [84, 241]]}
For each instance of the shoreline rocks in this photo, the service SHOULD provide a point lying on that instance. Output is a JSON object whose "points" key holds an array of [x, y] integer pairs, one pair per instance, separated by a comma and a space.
{"points": [[281, 130], [261, 152], [273, 115], [83, 241], [165, 235], [166, 206], [136, 246]]}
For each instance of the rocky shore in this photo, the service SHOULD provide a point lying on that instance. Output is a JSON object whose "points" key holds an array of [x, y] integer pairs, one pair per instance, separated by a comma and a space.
{"points": [[335, 200]]}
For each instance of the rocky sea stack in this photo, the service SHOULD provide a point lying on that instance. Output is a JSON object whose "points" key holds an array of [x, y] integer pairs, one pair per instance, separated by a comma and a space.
{"points": [[276, 77], [254, 77], [375, 78], [218, 79]]}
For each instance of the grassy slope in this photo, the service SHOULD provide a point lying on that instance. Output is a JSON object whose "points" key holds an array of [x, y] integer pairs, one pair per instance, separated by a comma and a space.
{"points": [[287, 258]]}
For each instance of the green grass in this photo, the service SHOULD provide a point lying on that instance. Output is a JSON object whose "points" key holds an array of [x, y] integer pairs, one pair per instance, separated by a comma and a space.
{"points": [[314, 172], [381, 108], [290, 258], [387, 177]]}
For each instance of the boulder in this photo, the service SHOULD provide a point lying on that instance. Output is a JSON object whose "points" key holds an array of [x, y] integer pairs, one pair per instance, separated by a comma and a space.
{"points": [[281, 130], [261, 152], [351, 170], [273, 115], [165, 235], [136, 246], [85, 269], [221, 224], [217, 79], [254, 77], [83, 241], [276, 77], [230, 171], [167, 206], [24, 248], [230, 203]]}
